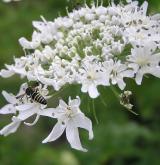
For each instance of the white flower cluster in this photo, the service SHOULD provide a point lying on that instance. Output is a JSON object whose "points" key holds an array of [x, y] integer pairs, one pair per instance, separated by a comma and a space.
{"points": [[92, 46]]}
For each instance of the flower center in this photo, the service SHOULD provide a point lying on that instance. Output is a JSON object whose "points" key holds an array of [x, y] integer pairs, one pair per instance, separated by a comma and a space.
{"points": [[140, 36], [142, 61], [69, 112], [114, 73], [91, 75]]}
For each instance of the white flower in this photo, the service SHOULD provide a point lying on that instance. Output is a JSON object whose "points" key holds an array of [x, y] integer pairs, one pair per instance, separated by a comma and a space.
{"points": [[24, 107], [48, 31], [91, 75], [30, 107], [117, 72], [144, 61], [5, 73], [12, 127], [69, 119], [12, 100], [30, 44], [25, 111], [61, 48], [18, 68], [139, 36]]}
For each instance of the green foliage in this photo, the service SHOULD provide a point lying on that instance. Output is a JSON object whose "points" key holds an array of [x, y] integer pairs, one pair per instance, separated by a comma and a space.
{"points": [[120, 137]]}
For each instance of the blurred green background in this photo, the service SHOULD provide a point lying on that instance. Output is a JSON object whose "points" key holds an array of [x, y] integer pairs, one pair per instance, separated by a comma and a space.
{"points": [[121, 138]]}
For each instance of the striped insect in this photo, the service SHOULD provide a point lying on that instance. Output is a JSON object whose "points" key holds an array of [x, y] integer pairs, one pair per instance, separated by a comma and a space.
{"points": [[33, 94]]}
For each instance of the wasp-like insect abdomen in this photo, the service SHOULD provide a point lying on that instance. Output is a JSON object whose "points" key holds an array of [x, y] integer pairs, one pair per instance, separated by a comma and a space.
{"points": [[35, 96]]}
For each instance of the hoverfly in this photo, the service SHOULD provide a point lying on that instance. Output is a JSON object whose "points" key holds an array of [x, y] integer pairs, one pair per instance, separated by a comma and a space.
{"points": [[34, 95]]}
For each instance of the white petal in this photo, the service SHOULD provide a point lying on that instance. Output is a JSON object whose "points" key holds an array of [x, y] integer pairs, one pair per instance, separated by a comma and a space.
{"points": [[72, 135], [27, 44], [56, 132], [44, 80], [75, 102], [20, 71], [9, 97], [121, 84], [39, 25], [93, 92], [128, 73], [139, 78], [8, 109], [155, 17], [24, 43], [83, 122], [6, 73], [62, 104], [84, 88], [25, 107], [22, 89], [34, 122], [10, 128], [23, 115], [50, 112], [114, 80], [144, 7], [105, 80], [155, 71]]}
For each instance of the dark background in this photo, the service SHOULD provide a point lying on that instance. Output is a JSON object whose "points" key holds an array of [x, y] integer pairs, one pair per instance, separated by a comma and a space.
{"points": [[121, 138]]}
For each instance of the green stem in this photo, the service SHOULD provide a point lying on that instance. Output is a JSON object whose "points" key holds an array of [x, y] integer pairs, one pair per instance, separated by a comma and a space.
{"points": [[114, 91], [103, 102], [88, 104], [94, 112], [132, 112]]}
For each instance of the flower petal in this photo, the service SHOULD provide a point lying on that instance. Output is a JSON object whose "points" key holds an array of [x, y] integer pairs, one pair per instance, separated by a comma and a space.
{"points": [[34, 122], [9, 97], [84, 88], [62, 104], [72, 135], [44, 80], [56, 132], [121, 84], [93, 92], [20, 71], [8, 109], [25, 107], [22, 89], [6, 73], [143, 8], [84, 122], [39, 25], [155, 71], [29, 44], [50, 112], [23, 115], [75, 102], [139, 78], [11, 128]]}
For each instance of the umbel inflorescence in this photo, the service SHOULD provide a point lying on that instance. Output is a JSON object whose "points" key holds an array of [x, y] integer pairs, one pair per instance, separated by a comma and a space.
{"points": [[91, 46]]}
